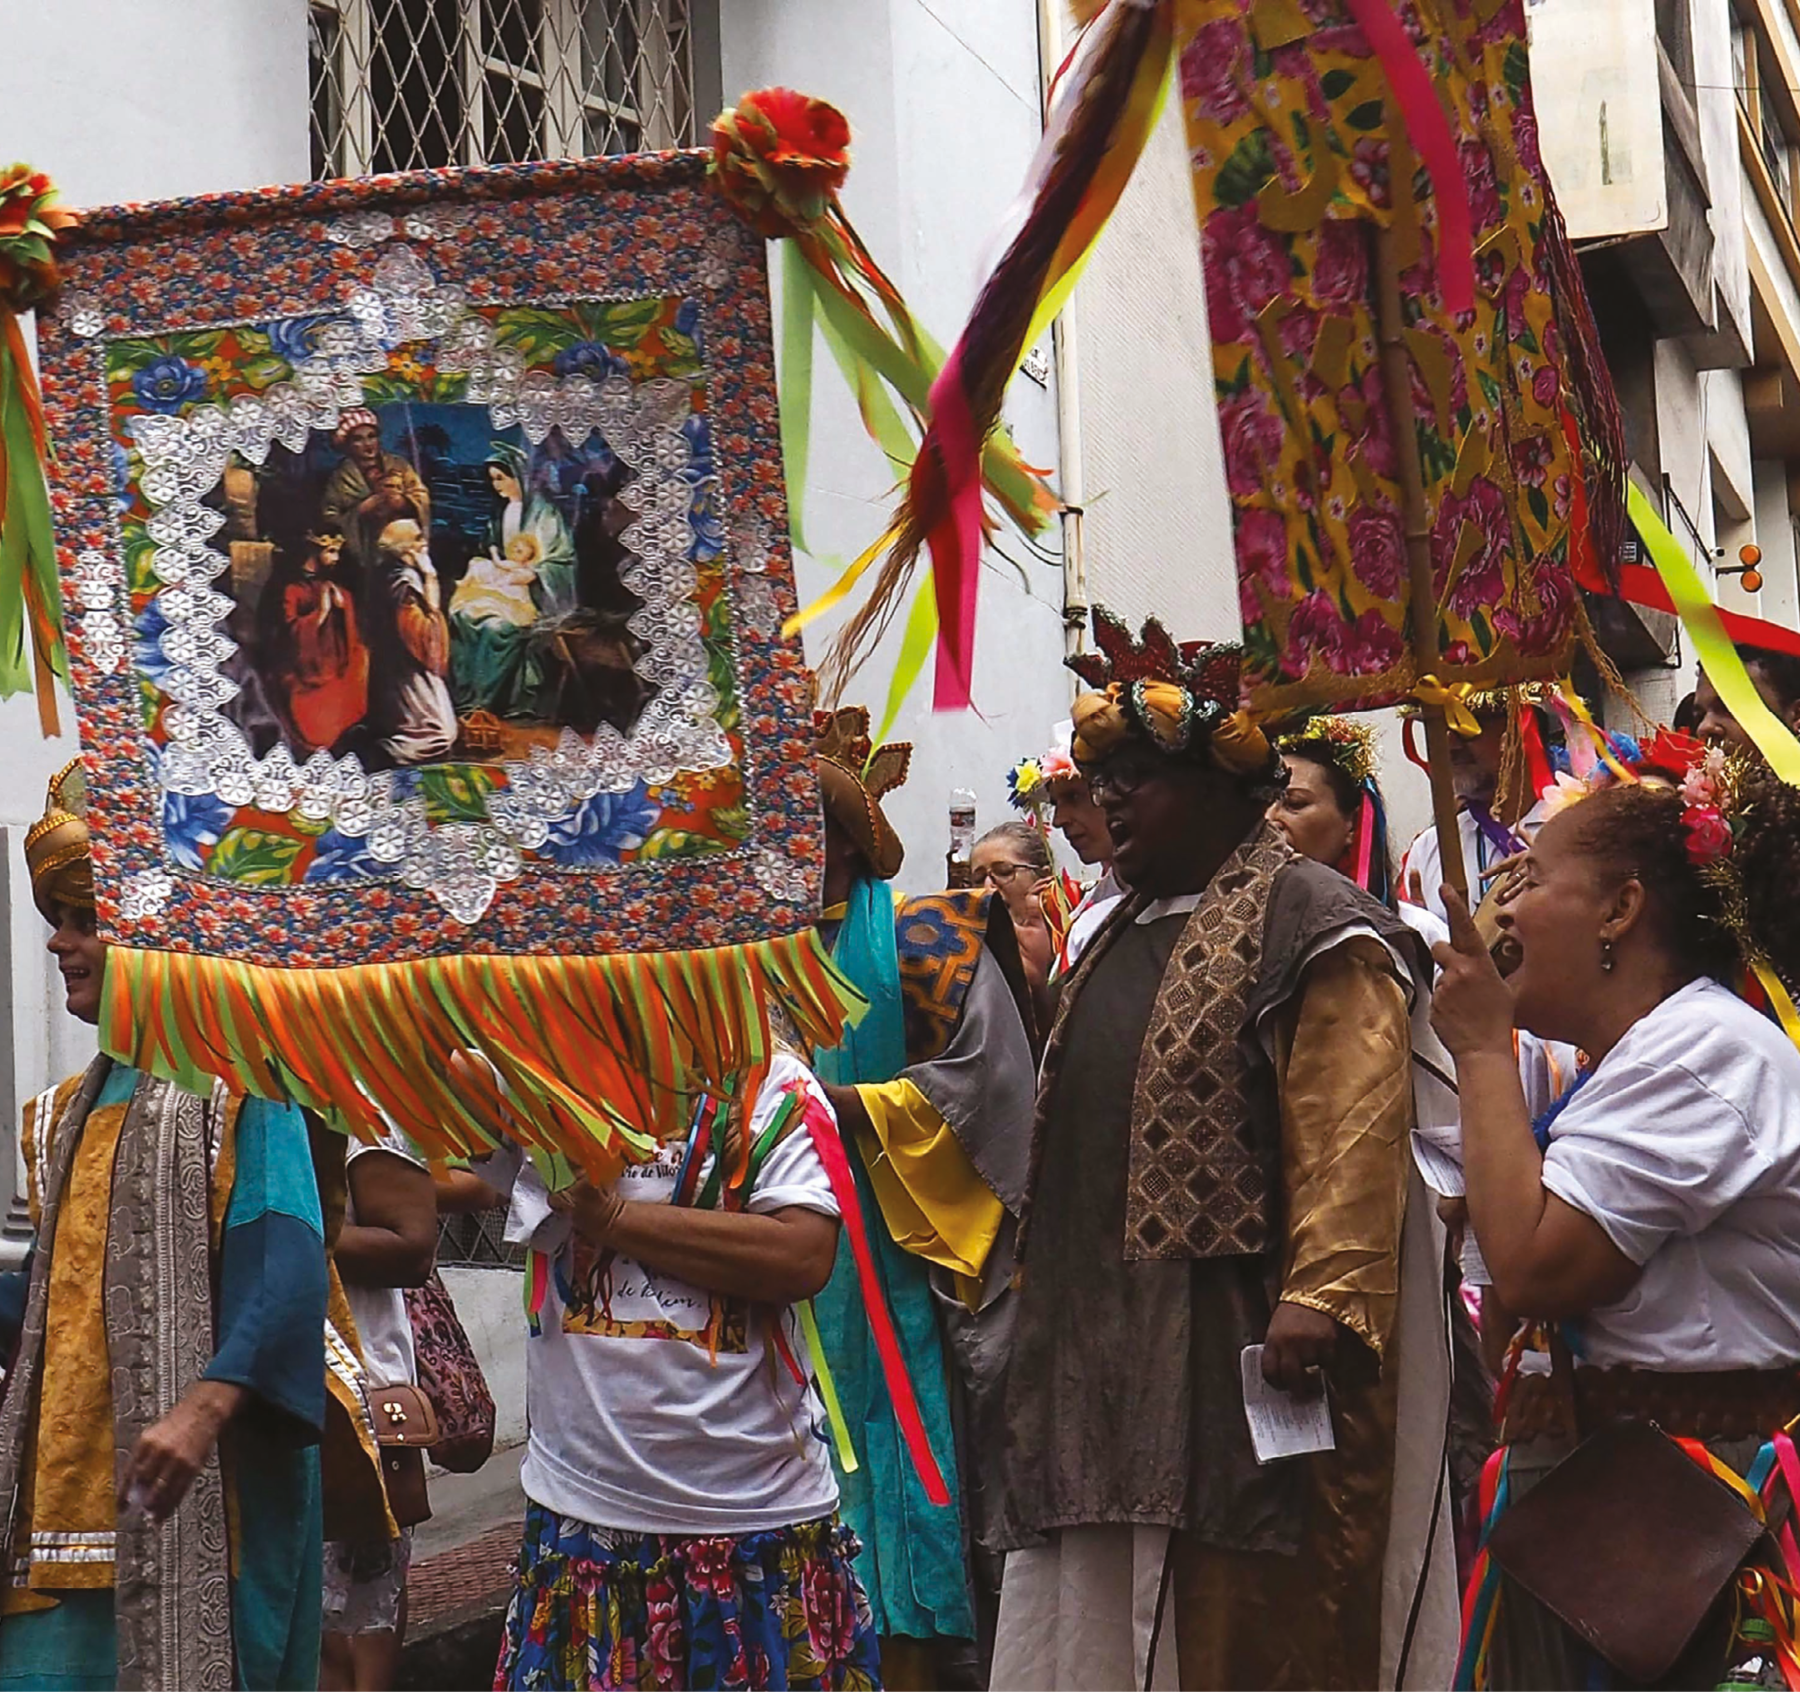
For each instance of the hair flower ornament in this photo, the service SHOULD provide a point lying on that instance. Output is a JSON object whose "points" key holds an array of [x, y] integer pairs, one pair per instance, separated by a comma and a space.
{"points": [[1708, 834]]}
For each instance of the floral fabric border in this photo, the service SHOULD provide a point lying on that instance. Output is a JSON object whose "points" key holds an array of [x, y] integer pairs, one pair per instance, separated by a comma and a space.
{"points": [[616, 303]]}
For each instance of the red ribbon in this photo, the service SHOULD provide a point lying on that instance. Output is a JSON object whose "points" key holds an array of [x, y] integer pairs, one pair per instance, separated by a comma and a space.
{"points": [[830, 1147], [955, 541], [1431, 136]]}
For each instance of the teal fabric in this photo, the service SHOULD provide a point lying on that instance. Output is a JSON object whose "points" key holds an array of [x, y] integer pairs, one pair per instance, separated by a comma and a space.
{"points": [[271, 1325], [913, 1564], [69, 1649], [275, 1596], [875, 1048]]}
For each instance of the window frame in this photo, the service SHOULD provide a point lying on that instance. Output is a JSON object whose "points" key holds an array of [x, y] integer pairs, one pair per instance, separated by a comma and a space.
{"points": [[573, 94]]}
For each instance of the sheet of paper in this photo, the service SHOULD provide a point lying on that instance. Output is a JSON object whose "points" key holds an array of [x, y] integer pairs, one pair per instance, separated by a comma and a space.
{"points": [[1282, 1425]]}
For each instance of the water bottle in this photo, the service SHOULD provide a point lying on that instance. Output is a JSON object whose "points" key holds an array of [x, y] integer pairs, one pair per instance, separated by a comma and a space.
{"points": [[962, 835], [1753, 1658]]}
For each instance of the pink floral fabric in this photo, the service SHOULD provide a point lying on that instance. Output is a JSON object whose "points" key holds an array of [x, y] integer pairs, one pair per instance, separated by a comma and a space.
{"points": [[1297, 145]]}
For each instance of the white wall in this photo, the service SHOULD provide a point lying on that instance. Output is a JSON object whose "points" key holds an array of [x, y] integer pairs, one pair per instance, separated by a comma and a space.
{"points": [[942, 97], [1158, 524], [140, 101], [155, 98], [487, 1304]]}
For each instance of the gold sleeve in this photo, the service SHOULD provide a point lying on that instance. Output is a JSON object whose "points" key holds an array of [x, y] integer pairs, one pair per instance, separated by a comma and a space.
{"points": [[1343, 1063]]}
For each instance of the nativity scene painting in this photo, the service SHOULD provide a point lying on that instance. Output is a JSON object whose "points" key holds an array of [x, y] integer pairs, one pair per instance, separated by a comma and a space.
{"points": [[415, 587]]}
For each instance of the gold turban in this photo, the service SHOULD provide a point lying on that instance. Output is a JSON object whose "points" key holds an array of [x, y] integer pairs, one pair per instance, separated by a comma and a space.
{"points": [[1104, 721], [1183, 700], [56, 846]]}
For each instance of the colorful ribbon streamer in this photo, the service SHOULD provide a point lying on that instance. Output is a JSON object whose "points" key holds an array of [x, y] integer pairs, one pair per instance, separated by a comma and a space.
{"points": [[830, 1148], [1712, 645], [32, 653], [1431, 136]]}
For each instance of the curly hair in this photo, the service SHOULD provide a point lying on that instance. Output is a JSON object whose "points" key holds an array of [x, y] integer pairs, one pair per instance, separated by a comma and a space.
{"points": [[1637, 831], [1767, 859]]}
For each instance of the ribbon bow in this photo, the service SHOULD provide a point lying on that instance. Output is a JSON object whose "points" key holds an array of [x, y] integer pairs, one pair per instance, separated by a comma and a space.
{"points": [[1453, 701]]}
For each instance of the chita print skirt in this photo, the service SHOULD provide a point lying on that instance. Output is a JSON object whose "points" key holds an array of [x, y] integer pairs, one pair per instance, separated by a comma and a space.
{"points": [[598, 1608]]}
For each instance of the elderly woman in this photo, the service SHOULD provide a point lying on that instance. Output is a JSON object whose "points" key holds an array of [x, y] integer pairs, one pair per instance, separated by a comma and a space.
{"points": [[1013, 858], [681, 1520], [1655, 1220]]}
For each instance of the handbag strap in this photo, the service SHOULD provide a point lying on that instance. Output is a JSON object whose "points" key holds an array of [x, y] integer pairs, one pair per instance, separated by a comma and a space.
{"points": [[1562, 1382]]}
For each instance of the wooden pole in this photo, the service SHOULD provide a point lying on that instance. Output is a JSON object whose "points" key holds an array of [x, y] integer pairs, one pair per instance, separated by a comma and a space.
{"points": [[1396, 382]]}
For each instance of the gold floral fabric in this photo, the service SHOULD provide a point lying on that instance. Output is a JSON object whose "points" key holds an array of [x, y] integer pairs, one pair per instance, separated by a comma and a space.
{"points": [[1301, 158]]}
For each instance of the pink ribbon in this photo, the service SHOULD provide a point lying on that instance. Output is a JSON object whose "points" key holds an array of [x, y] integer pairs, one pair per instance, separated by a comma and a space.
{"points": [[1434, 142], [956, 542], [1365, 840]]}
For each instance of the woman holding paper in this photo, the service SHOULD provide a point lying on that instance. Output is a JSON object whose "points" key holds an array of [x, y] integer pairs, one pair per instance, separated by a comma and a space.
{"points": [[1655, 1227]]}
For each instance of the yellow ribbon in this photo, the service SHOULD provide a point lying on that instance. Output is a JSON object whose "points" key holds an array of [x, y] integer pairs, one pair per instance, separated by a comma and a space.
{"points": [[834, 1411], [1453, 701], [840, 589], [1712, 645], [1780, 999]]}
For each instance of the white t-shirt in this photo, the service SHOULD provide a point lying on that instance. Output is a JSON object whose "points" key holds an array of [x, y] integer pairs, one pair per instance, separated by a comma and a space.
{"points": [[1479, 854], [1685, 1148], [380, 1312], [633, 1424], [1546, 1069]]}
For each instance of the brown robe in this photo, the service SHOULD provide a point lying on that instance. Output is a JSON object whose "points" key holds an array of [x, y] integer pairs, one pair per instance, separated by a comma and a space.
{"points": [[1123, 1401]]}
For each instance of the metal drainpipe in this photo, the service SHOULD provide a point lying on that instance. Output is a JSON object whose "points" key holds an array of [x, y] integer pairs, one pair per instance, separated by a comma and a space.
{"points": [[1066, 363]]}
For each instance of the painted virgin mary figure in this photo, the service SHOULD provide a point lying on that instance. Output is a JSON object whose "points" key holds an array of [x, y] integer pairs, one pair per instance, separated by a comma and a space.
{"points": [[522, 587]]}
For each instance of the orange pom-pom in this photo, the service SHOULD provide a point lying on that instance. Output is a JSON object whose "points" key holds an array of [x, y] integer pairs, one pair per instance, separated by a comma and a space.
{"points": [[780, 158]]}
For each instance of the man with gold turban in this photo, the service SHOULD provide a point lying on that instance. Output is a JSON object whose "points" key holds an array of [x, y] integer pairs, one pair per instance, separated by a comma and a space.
{"points": [[159, 1426], [933, 1091], [1219, 1162]]}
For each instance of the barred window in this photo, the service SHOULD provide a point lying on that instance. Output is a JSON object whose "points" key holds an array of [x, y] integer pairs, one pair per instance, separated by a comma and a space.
{"points": [[412, 84]]}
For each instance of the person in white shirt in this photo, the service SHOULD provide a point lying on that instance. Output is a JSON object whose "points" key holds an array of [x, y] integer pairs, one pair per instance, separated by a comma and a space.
{"points": [[388, 1242], [1656, 1224], [1082, 824], [1491, 824], [681, 1507]]}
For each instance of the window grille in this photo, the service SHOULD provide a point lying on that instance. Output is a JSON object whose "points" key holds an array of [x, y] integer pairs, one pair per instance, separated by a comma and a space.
{"points": [[477, 1240], [413, 84]]}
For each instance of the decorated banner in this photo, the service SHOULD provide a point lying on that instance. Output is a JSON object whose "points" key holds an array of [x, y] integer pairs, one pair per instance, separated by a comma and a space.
{"points": [[425, 551], [1330, 139]]}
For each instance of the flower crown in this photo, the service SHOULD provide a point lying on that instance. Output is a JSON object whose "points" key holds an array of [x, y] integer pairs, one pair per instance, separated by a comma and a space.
{"points": [[1710, 782], [1348, 745]]}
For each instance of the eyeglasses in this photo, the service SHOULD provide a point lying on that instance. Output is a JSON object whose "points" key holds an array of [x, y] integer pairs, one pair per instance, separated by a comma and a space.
{"points": [[1121, 780], [1001, 874]]}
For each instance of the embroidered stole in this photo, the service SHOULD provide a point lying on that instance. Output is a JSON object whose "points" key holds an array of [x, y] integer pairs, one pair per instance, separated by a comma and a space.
{"points": [[172, 1590]]}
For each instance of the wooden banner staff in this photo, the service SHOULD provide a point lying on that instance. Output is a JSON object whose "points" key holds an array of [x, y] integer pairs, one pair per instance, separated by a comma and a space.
{"points": [[1396, 382]]}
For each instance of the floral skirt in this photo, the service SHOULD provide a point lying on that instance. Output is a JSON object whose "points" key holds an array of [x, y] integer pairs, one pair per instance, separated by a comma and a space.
{"points": [[601, 1608]]}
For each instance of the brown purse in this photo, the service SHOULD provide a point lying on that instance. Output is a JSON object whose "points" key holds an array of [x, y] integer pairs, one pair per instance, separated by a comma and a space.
{"points": [[405, 1424], [1630, 1543]]}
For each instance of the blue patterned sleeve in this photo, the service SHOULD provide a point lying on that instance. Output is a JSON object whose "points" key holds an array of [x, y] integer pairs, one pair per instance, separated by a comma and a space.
{"points": [[272, 1285]]}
